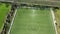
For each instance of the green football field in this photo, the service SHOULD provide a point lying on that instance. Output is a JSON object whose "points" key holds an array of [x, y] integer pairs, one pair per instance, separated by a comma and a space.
{"points": [[3, 13], [33, 21]]}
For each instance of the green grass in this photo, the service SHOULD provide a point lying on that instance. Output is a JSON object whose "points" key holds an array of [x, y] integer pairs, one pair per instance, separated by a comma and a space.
{"points": [[3, 13], [33, 21]]}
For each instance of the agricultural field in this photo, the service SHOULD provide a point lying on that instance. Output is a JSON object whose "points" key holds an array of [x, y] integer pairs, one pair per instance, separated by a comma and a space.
{"points": [[33, 21], [57, 16], [3, 13]]}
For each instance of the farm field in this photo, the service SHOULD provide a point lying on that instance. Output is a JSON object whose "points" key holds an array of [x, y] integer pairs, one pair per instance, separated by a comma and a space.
{"points": [[3, 13], [33, 21], [57, 15]]}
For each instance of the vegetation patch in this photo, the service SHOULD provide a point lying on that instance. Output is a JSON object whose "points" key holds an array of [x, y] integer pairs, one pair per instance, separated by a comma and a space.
{"points": [[57, 16]]}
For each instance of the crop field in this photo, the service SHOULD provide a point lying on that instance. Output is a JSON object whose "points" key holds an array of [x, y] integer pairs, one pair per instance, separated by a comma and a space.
{"points": [[57, 15], [33, 21], [3, 13]]}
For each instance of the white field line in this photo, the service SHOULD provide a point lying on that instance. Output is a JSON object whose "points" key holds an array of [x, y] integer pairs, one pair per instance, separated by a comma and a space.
{"points": [[12, 22], [53, 16]]}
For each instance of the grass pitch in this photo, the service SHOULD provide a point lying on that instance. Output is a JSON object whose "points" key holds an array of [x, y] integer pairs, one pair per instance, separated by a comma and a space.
{"points": [[33, 21], [3, 12]]}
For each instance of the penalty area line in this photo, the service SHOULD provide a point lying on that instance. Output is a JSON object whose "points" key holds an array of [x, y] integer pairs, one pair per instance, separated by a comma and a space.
{"points": [[12, 21], [54, 21]]}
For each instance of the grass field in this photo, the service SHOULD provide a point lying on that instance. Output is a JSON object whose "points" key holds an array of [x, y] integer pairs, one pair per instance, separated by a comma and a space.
{"points": [[57, 15], [3, 12], [33, 21]]}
